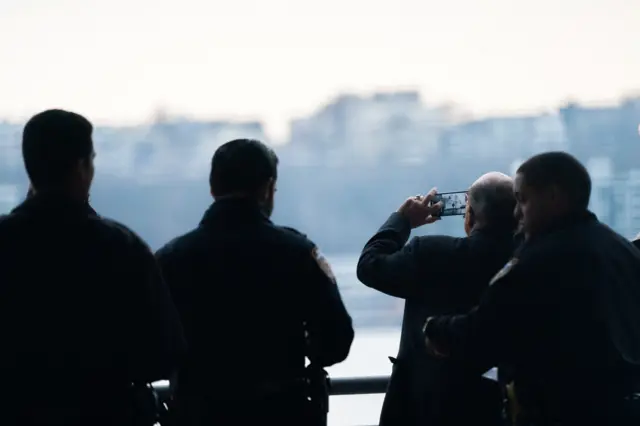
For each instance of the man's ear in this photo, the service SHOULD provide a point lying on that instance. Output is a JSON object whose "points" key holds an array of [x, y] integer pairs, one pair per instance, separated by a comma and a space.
{"points": [[270, 188], [469, 219]]}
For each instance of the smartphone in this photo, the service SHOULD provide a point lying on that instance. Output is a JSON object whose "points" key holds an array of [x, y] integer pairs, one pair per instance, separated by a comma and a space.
{"points": [[453, 203]]}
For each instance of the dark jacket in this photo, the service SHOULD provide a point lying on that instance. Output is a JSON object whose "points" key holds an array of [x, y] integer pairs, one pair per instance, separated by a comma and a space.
{"points": [[435, 275], [248, 291], [83, 314], [561, 317]]}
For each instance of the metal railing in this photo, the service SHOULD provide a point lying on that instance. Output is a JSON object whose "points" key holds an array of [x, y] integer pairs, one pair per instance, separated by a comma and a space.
{"points": [[339, 386]]}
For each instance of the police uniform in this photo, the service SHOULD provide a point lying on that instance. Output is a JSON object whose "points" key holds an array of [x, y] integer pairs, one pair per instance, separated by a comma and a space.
{"points": [[84, 313], [561, 319], [255, 299]]}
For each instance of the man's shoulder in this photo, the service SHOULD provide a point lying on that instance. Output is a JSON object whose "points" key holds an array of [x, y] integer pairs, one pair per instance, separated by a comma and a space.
{"points": [[180, 244], [5, 224], [118, 234], [442, 243], [14, 223], [570, 243], [294, 237], [303, 244], [554, 254]]}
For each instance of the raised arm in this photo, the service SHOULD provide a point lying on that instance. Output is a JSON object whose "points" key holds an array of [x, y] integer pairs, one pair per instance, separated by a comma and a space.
{"points": [[386, 263], [393, 267]]}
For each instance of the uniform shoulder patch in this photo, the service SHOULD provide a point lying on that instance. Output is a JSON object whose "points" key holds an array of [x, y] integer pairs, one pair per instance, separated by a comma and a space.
{"points": [[322, 263], [504, 271]]}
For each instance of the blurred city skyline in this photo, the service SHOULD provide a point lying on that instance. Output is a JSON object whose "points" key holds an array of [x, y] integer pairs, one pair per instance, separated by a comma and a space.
{"points": [[349, 163], [451, 113]]}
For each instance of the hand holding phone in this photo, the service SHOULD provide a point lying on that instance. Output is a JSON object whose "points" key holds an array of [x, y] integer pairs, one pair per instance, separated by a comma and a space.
{"points": [[421, 210], [453, 203]]}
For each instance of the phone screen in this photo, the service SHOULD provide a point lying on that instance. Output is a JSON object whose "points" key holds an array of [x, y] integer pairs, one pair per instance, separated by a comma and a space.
{"points": [[453, 203]]}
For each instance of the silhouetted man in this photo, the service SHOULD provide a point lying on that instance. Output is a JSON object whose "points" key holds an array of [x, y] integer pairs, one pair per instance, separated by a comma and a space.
{"points": [[248, 292], [84, 313], [562, 317], [429, 391]]}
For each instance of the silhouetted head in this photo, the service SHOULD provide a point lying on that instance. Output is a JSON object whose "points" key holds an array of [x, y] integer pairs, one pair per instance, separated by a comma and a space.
{"points": [[57, 148], [550, 187], [245, 168], [490, 203]]}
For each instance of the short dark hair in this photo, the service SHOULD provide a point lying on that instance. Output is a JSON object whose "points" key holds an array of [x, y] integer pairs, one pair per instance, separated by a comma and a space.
{"points": [[52, 143], [560, 169], [242, 166]]}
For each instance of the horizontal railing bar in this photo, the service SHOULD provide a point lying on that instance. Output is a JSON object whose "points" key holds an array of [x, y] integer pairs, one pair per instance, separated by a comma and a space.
{"points": [[339, 386], [359, 385]]}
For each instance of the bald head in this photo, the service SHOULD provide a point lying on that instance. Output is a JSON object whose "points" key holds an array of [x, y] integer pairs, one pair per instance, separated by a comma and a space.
{"points": [[491, 198]]}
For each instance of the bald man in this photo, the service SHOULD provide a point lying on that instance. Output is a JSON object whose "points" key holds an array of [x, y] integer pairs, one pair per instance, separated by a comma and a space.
{"points": [[438, 274]]}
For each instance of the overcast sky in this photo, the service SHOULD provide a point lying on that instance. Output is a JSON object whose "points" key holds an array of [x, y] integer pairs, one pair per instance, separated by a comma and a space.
{"points": [[117, 60]]}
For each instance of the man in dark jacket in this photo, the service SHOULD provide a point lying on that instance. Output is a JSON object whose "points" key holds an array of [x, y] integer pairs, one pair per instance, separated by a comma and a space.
{"points": [[440, 274], [84, 312], [562, 317], [249, 292]]}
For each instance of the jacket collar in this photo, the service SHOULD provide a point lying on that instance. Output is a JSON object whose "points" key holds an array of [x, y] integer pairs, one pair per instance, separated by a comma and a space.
{"points": [[234, 209], [506, 230], [564, 223], [56, 204]]}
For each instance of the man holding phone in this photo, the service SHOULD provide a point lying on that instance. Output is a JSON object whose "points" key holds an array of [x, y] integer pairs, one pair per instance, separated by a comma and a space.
{"points": [[427, 390]]}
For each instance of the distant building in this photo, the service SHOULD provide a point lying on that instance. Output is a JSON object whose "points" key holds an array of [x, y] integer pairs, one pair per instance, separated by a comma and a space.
{"points": [[387, 127], [505, 137], [602, 188], [626, 205], [10, 152], [168, 148], [609, 131]]}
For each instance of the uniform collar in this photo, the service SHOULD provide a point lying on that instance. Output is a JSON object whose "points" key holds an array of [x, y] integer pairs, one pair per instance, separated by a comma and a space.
{"points": [[56, 204], [506, 230], [567, 222], [234, 209]]}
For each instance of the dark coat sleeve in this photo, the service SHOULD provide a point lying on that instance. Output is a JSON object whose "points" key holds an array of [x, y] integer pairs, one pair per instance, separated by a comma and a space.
{"points": [[328, 324], [158, 336], [393, 267], [523, 298]]}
